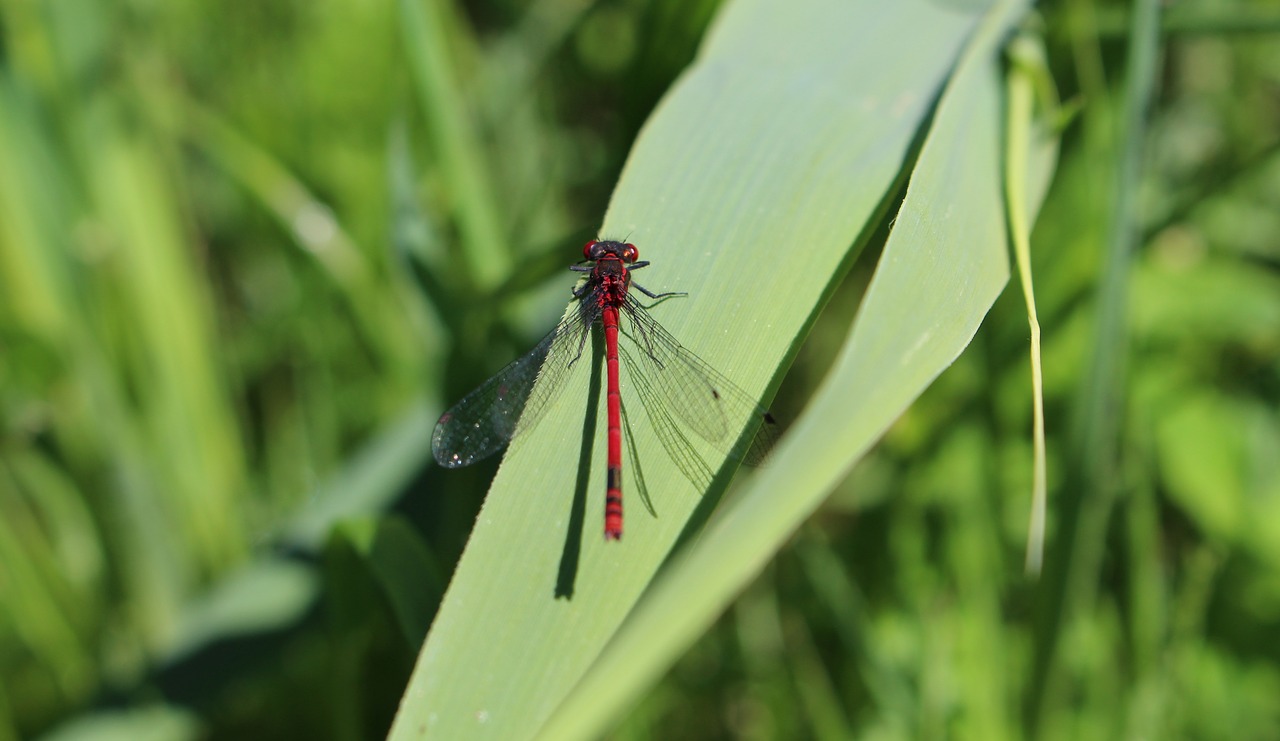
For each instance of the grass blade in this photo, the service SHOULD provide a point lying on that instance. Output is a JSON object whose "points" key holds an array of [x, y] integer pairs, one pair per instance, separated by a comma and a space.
{"points": [[942, 268], [747, 188]]}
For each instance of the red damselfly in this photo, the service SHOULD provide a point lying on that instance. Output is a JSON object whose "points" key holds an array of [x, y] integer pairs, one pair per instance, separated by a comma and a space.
{"points": [[680, 393]]}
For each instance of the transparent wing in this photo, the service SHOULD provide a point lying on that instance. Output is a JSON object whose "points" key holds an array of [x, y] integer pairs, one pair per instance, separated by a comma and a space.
{"points": [[678, 386], [670, 434], [513, 400]]}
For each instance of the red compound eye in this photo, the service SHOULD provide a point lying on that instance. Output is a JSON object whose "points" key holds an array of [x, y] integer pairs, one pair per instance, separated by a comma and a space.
{"points": [[630, 253], [588, 249]]}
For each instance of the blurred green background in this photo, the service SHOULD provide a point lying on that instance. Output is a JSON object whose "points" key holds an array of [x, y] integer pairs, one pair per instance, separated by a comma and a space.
{"points": [[248, 250]]}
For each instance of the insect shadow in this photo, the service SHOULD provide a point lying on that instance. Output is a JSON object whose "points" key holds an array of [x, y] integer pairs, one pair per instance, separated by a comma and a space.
{"points": [[570, 556]]}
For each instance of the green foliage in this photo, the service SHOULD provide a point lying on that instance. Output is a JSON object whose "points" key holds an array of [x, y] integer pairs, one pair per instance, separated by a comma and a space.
{"points": [[248, 251], [750, 200]]}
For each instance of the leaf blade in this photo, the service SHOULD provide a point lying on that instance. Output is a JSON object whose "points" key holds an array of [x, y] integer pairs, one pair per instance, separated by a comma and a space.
{"points": [[756, 149]]}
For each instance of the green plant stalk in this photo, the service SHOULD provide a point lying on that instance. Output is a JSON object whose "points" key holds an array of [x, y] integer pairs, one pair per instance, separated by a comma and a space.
{"points": [[1082, 538], [813, 684], [454, 143], [1195, 19], [1028, 67], [311, 224]]}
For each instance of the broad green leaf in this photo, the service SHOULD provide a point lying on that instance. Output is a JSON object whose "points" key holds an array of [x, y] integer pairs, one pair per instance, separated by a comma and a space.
{"points": [[943, 266], [749, 188]]}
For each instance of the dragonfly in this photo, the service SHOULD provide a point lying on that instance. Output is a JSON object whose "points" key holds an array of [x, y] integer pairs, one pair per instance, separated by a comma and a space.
{"points": [[682, 396]]}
